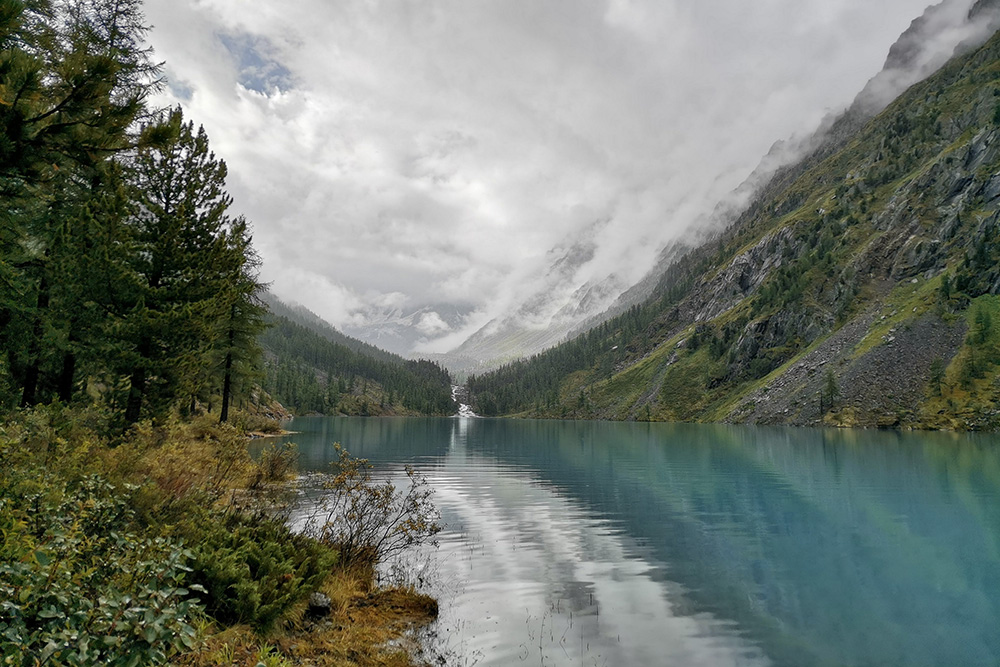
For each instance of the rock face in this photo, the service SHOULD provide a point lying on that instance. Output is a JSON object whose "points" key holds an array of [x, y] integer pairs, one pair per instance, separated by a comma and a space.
{"points": [[740, 278], [877, 390]]}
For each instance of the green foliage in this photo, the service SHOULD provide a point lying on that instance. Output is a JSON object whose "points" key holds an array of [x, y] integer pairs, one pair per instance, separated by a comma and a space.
{"points": [[368, 520], [242, 317], [311, 373], [253, 571], [937, 375], [74, 77], [78, 587], [196, 289], [190, 525], [117, 258], [983, 330], [982, 344]]}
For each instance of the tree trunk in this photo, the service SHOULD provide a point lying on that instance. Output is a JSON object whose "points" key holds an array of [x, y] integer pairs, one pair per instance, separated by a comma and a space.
{"points": [[66, 377], [227, 383], [137, 387], [30, 394], [137, 384]]}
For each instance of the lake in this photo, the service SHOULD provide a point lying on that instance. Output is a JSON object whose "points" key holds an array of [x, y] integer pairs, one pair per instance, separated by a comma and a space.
{"points": [[595, 543]]}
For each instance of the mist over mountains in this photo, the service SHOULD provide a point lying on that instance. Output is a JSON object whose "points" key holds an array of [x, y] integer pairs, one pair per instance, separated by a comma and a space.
{"points": [[422, 170], [602, 268], [569, 298], [859, 287]]}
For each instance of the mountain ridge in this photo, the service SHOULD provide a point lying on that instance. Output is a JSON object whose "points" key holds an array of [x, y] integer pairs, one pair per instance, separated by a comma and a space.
{"points": [[312, 368], [942, 30], [877, 234]]}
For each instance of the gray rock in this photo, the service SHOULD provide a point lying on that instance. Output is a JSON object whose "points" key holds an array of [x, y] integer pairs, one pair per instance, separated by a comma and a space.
{"points": [[318, 607]]}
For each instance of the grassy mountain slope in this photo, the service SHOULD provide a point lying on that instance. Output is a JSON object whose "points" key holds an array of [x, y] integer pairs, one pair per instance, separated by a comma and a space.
{"points": [[313, 368], [860, 290]]}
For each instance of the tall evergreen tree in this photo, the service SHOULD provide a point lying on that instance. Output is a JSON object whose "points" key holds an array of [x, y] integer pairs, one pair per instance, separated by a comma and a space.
{"points": [[243, 313], [74, 77], [180, 229]]}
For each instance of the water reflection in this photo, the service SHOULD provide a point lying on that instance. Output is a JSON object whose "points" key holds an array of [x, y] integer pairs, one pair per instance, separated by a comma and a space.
{"points": [[582, 542]]}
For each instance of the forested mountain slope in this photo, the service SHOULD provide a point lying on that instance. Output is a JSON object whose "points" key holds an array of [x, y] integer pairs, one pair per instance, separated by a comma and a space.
{"points": [[310, 320], [859, 288], [313, 368]]}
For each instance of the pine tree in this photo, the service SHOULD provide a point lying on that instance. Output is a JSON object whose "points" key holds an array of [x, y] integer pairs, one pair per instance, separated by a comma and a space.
{"points": [[180, 229], [74, 78]]}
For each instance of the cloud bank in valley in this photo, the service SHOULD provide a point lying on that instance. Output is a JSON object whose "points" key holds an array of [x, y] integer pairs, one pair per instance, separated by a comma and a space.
{"points": [[394, 155]]}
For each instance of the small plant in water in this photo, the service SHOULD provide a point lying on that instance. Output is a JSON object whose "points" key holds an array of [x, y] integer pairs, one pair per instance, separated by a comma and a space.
{"points": [[368, 520]]}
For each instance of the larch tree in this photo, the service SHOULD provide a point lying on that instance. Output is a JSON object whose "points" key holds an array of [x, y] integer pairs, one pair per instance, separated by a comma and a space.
{"points": [[243, 315]]}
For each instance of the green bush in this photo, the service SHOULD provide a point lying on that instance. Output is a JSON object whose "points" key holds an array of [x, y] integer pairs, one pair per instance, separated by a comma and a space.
{"points": [[77, 587], [253, 571]]}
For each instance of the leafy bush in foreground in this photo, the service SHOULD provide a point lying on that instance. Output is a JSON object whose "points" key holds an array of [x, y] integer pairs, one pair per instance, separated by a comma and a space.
{"points": [[77, 587]]}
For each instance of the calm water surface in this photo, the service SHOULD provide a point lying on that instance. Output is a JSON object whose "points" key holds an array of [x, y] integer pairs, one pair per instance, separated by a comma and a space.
{"points": [[588, 543]]}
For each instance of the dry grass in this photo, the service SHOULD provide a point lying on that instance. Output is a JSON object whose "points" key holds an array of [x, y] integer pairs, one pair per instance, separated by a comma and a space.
{"points": [[367, 627]]}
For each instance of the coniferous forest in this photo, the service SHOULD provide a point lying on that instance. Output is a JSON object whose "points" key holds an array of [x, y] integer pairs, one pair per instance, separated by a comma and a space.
{"points": [[135, 528], [307, 372], [125, 278]]}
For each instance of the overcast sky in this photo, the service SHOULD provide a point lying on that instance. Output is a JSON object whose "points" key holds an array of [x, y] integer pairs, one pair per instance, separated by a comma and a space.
{"points": [[405, 153]]}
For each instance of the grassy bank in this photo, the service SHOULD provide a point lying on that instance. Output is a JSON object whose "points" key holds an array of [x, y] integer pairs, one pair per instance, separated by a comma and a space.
{"points": [[168, 544]]}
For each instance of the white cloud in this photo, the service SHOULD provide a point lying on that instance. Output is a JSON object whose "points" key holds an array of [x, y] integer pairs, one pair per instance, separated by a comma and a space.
{"points": [[432, 152], [431, 324]]}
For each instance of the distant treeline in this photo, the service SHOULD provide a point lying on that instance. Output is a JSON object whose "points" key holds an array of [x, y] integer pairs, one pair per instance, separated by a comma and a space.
{"points": [[307, 372]]}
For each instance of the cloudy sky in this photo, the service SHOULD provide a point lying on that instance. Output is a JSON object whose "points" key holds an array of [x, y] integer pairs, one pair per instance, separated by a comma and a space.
{"points": [[404, 153]]}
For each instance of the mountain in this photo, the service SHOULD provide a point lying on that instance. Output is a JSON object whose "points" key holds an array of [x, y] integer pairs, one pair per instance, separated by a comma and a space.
{"points": [[304, 317], [564, 305], [858, 287], [313, 368], [545, 317], [400, 331]]}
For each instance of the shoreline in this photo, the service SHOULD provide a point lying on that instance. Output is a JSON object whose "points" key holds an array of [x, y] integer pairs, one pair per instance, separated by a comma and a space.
{"points": [[260, 435]]}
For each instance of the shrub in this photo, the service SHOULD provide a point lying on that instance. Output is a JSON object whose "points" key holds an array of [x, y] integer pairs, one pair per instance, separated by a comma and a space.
{"points": [[274, 465], [368, 520], [246, 422], [79, 588], [254, 570]]}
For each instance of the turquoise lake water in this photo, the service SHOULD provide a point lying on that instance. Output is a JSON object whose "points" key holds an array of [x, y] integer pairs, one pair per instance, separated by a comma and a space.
{"points": [[593, 543]]}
